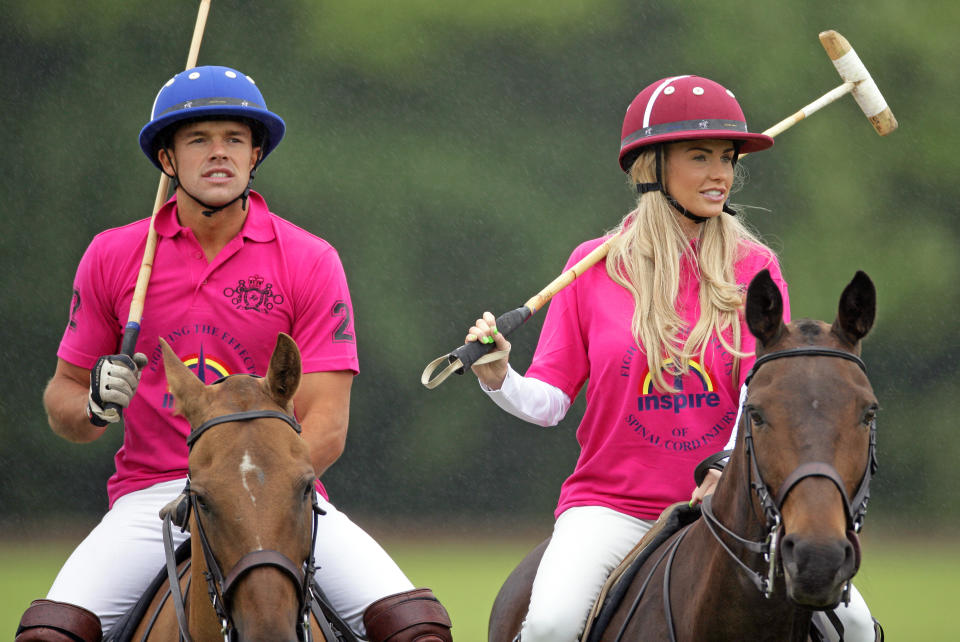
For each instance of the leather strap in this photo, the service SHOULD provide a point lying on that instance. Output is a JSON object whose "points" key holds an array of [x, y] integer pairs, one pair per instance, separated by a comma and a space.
{"points": [[241, 416], [174, 578], [812, 469], [261, 558]]}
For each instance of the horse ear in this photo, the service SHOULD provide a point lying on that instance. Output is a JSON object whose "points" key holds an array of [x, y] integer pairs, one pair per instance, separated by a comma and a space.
{"points": [[764, 309], [183, 383], [857, 310], [283, 377]]}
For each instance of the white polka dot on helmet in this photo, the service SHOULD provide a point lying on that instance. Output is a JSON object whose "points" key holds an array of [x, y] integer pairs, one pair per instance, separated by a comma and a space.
{"points": [[685, 108]]}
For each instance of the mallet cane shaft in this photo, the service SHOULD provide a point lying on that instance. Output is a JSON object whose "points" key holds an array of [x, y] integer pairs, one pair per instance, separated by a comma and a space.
{"points": [[131, 331], [857, 81]]}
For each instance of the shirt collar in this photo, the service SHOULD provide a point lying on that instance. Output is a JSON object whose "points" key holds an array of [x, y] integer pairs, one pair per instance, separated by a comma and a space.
{"points": [[257, 227]]}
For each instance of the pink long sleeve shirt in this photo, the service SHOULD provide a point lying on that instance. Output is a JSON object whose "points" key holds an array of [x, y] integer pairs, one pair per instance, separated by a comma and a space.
{"points": [[639, 446]]}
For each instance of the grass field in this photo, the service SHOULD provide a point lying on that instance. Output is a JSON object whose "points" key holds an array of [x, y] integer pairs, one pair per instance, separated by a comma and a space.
{"points": [[908, 585]]}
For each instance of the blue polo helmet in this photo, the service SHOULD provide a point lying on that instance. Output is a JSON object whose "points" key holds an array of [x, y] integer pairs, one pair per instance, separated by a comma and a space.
{"points": [[209, 92]]}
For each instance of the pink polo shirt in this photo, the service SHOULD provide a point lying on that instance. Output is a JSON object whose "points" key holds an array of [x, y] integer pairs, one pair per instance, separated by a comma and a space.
{"points": [[220, 318], [639, 446]]}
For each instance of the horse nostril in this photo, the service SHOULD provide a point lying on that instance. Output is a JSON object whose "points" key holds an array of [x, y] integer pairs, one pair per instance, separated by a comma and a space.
{"points": [[850, 556], [788, 547]]}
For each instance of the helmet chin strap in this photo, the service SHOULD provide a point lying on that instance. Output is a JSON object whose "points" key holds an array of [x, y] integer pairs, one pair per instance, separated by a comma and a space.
{"points": [[209, 210], [643, 188]]}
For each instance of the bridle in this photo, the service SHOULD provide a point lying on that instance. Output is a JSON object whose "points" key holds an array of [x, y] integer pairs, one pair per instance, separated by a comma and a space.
{"points": [[220, 586], [855, 509]]}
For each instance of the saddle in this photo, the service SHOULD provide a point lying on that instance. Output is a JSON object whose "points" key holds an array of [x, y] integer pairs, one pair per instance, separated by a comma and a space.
{"points": [[671, 520], [333, 627]]}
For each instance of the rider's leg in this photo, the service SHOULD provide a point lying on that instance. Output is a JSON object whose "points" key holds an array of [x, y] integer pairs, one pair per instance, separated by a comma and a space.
{"points": [[353, 570], [588, 543], [109, 570], [857, 623], [414, 616]]}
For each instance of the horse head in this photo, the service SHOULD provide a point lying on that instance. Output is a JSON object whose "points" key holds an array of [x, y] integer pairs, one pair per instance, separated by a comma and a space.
{"points": [[251, 491], [811, 422]]}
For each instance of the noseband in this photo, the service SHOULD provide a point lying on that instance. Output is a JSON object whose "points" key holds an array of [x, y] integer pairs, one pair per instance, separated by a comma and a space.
{"points": [[219, 587], [855, 509]]}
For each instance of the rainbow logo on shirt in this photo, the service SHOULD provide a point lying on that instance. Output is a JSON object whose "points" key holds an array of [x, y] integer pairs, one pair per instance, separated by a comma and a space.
{"points": [[698, 392], [205, 367]]}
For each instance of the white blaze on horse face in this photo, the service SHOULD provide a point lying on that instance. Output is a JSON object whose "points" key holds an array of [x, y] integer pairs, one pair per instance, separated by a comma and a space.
{"points": [[247, 467]]}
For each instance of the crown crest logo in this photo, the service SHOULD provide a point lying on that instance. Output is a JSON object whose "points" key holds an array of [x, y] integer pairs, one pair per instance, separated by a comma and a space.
{"points": [[252, 294]]}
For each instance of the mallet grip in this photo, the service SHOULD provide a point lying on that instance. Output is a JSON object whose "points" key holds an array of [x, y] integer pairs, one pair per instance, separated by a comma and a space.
{"points": [[506, 323], [459, 360]]}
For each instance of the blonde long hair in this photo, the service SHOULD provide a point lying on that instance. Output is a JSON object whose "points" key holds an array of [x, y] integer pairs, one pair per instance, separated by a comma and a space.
{"points": [[645, 257]]}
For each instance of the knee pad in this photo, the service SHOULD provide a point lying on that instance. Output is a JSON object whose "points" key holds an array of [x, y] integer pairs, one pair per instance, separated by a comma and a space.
{"points": [[414, 616], [49, 621]]}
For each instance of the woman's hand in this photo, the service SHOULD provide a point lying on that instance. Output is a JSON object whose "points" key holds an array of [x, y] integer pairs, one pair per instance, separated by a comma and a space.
{"points": [[706, 488], [485, 331]]}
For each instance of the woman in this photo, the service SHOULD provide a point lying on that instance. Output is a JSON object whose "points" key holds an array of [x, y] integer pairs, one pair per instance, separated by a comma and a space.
{"points": [[674, 280]]}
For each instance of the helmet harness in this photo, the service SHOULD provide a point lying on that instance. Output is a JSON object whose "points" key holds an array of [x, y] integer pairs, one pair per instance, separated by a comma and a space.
{"points": [[209, 210], [658, 186]]}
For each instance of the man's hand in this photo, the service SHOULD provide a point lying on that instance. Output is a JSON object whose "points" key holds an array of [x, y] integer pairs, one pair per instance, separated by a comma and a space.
{"points": [[114, 379]]}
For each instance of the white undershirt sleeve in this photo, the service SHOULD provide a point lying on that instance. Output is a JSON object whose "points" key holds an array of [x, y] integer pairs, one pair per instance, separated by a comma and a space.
{"points": [[736, 424], [530, 399]]}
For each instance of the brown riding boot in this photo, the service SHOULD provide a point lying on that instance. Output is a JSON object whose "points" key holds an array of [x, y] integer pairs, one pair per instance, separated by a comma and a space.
{"points": [[414, 616], [49, 621]]}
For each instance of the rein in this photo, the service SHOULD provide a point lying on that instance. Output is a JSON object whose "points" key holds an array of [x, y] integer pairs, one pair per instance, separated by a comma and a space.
{"points": [[219, 586], [855, 509]]}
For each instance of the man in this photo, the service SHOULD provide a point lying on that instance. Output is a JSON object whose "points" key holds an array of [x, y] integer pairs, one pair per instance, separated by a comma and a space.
{"points": [[228, 276]]}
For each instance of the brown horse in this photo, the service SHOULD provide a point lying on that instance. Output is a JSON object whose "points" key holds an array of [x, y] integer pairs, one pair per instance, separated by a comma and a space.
{"points": [[778, 539], [251, 510]]}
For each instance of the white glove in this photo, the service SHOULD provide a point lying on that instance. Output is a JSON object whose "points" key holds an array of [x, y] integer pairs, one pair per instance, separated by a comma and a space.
{"points": [[113, 380]]}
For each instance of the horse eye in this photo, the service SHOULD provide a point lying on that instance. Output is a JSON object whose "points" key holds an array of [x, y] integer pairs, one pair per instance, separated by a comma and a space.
{"points": [[870, 415], [755, 417], [308, 489]]}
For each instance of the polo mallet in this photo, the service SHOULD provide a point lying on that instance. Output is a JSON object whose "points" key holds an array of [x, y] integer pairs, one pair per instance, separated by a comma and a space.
{"points": [[131, 331], [856, 81]]}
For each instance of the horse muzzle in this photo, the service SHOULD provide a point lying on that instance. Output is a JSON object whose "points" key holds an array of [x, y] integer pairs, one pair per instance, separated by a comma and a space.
{"points": [[816, 571]]}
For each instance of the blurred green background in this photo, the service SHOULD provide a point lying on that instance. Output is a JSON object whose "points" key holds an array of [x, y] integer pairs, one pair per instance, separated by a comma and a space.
{"points": [[455, 153]]}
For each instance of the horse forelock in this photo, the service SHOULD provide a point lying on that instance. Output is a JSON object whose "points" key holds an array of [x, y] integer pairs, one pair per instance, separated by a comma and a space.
{"points": [[810, 329]]}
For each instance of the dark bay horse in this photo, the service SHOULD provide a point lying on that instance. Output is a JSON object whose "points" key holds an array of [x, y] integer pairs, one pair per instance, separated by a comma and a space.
{"points": [[251, 510], [778, 538]]}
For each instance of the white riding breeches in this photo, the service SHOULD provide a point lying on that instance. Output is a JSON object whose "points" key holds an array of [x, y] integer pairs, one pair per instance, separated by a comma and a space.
{"points": [[856, 619], [112, 567], [588, 543]]}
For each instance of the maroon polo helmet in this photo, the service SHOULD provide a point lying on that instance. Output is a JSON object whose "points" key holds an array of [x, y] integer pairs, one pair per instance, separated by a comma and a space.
{"points": [[685, 108]]}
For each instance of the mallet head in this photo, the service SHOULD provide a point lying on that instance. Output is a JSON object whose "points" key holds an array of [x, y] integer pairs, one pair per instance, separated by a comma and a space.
{"points": [[865, 92]]}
